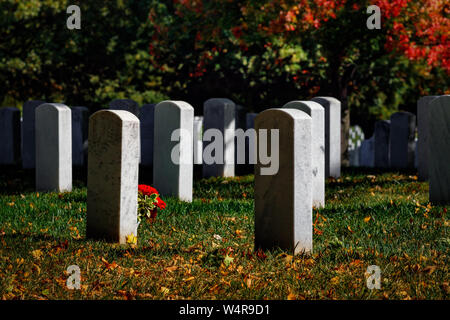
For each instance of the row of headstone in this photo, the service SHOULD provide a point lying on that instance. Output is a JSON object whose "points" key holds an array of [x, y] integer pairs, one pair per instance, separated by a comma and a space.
{"points": [[356, 137], [216, 117], [391, 146], [18, 140]]}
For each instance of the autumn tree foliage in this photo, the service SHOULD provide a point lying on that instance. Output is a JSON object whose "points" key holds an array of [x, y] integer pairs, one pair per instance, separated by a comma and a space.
{"points": [[264, 53]]}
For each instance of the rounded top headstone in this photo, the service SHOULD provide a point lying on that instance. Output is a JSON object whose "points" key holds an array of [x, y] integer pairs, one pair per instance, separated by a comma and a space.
{"points": [[121, 115], [174, 104], [306, 106]]}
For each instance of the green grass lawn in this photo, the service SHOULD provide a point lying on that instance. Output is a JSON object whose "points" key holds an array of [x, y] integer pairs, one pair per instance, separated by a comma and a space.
{"points": [[204, 249]]}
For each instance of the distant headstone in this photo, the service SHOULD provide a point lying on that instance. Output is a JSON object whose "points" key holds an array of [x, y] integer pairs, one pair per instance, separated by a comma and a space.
{"points": [[113, 166], [317, 114], [28, 134], [422, 133], [173, 149], [367, 153], [439, 150], [80, 130], [332, 135], [147, 118], [356, 137], [401, 140], [125, 104], [53, 147], [283, 202], [381, 136], [197, 140], [219, 114], [9, 136]]}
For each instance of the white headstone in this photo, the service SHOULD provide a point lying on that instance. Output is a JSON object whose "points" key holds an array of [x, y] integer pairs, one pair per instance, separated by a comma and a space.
{"points": [[80, 130], [173, 152], [332, 135], [28, 134], [317, 114], [401, 140], [283, 202], [53, 147], [219, 114], [422, 134], [113, 168], [439, 149], [9, 136]]}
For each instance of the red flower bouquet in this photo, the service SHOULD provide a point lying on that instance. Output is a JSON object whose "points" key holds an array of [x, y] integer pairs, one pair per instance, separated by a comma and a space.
{"points": [[149, 202]]}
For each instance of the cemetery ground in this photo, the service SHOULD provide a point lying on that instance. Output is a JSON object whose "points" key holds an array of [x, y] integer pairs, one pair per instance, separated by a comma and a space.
{"points": [[204, 249]]}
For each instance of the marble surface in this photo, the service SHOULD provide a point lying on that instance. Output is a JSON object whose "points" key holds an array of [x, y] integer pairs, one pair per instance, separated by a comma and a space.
{"points": [[53, 147], [113, 168], [173, 160], [332, 108], [317, 114], [283, 202]]}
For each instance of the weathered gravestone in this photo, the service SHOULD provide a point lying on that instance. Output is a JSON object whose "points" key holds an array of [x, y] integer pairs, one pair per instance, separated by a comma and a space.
{"points": [[439, 149], [28, 134], [401, 140], [147, 118], [422, 133], [283, 202], [9, 136], [80, 130], [367, 153], [332, 108], [218, 155], [381, 141], [198, 140], [113, 167], [356, 137], [173, 149], [53, 147], [317, 114], [126, 105]]}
